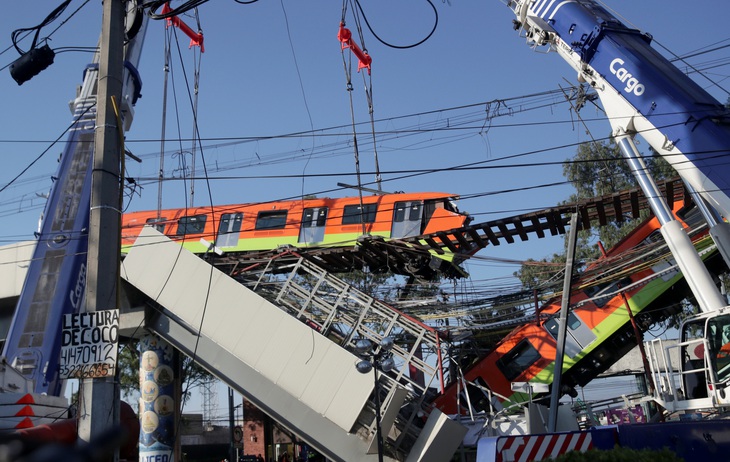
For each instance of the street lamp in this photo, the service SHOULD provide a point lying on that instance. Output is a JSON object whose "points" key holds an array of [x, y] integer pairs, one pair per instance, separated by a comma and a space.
{"points": [[373, 360]]}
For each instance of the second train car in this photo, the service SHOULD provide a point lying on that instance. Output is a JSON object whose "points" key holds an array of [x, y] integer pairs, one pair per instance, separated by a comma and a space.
{"points": [[303, 223], [599, 329]]}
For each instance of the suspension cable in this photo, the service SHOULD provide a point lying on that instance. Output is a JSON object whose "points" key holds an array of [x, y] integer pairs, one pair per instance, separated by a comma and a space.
{"points": [[161, 174], [345, 39], [196, 86], [368, 85]]}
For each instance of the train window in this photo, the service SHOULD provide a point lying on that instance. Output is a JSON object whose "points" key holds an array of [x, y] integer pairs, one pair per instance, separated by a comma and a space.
{"points": [[230, 223], [518, 359], [354, 214], [609, 289], [399, 215], [275, 219], [573, 321], [429, 207], [194, 224], [157, 223], [692, 354], [314, 217], [655, 236], [552, 326], [692, 216], [407, 211]]}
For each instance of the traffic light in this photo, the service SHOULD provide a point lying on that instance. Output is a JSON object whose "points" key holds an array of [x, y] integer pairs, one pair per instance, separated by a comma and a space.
{"points": [[31, 63]]}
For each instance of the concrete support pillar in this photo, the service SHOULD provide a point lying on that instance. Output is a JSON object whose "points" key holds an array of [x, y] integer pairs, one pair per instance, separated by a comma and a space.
{"points": [[158, 404]]}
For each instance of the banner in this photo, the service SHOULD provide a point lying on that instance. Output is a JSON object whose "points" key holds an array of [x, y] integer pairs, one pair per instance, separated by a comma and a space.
{"points": [[89, 344]]}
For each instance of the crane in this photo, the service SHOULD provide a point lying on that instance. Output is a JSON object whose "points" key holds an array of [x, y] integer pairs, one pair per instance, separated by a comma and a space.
{"points": [[644, 94]]}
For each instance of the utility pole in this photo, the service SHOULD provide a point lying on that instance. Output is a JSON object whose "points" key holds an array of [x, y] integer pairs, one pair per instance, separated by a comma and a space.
{"points": [[99, 400], [563, 326]]}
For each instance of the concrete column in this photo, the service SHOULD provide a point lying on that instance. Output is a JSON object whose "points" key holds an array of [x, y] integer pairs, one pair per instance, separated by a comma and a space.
{"points": [[158, 405]]}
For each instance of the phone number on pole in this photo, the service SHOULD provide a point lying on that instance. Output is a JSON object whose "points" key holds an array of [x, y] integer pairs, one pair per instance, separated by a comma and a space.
{"points": [[87, 371]]}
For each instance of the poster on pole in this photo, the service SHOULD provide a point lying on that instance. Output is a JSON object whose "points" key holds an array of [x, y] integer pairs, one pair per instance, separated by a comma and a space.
{"points": [[89, 344]]}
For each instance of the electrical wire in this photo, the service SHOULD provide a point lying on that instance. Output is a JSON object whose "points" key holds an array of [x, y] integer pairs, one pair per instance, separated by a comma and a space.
{"points": [[401, 47], [40, 156], [52, 16], [301, 88]]}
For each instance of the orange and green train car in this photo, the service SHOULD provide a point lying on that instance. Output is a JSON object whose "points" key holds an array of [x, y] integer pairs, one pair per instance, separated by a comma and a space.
{"points": [[599, 329], [304, 223]]}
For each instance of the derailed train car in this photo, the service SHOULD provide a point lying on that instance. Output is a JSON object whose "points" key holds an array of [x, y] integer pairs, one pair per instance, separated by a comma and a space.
{"points": [[599, 328]]}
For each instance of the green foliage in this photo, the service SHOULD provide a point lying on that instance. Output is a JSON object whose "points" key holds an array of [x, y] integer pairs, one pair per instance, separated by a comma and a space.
{"points": [[541, 273], [128, 364], [619, 454], [597, 169], [388, 287], [379, 285]]}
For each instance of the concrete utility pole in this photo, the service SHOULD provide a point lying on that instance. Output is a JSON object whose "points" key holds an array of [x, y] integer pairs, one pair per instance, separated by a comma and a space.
{"points": [[99, 400], [563, 326]]}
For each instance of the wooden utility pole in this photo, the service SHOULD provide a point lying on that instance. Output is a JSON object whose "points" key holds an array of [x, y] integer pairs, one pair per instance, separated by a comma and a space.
{"points": [[99, 398]]}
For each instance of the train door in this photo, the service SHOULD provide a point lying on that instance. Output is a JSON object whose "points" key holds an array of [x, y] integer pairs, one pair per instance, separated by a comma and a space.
{"points": [[313, 225], [572, 348], [407, 219], [578, 337], [229, 230]]}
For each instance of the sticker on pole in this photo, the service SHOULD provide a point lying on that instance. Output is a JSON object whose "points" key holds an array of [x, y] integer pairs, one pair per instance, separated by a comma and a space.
{"points": [[89, 345]]}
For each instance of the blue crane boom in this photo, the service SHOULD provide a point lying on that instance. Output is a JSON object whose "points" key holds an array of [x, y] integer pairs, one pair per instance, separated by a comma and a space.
{"points": [[56, 279], [644, 94], [641, 90]]}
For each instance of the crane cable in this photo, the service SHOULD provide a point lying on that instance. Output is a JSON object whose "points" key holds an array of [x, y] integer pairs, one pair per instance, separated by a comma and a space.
{"points": [[368, 86], [195, 140], [197, 60], [344, 36], [161, 173]]}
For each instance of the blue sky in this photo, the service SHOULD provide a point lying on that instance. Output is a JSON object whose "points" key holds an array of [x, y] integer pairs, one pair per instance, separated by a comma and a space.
{"points": [[275, 67]]}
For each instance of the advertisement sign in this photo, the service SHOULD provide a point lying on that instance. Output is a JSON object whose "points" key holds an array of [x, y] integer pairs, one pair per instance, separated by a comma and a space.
{"points": [[89, 344]]}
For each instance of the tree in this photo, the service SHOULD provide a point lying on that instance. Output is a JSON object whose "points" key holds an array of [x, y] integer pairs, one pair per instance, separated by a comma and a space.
{"points": [[597, 169], [128, 365]]}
